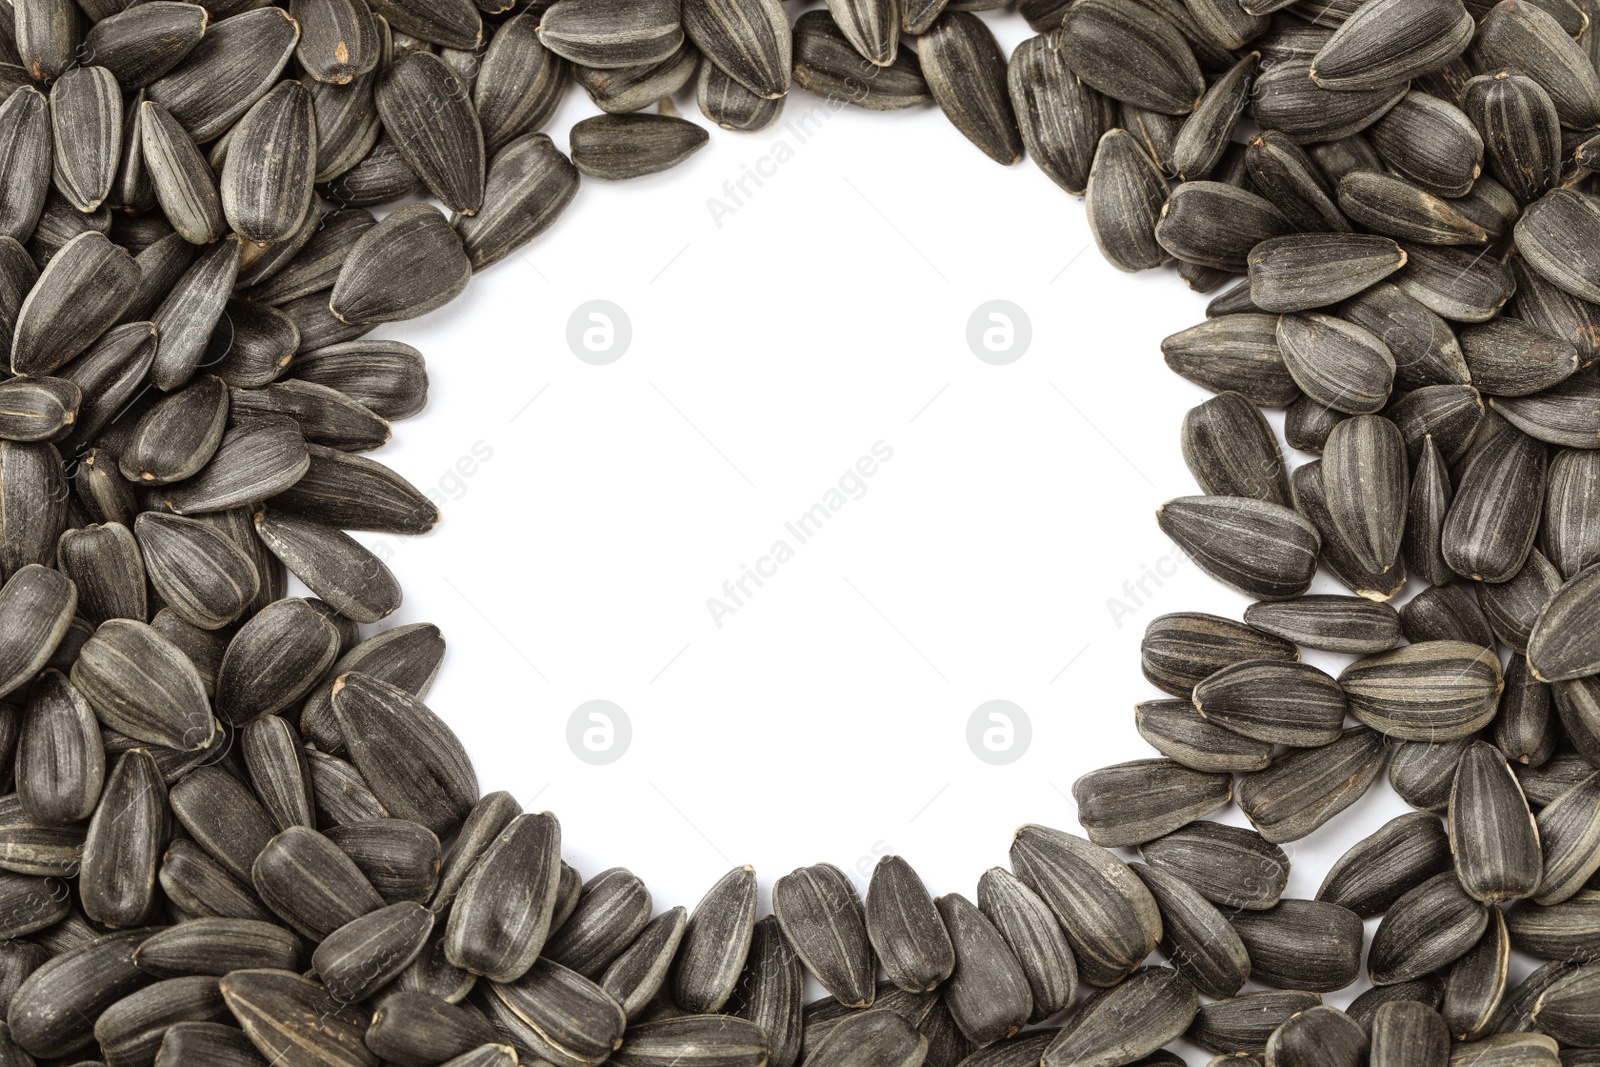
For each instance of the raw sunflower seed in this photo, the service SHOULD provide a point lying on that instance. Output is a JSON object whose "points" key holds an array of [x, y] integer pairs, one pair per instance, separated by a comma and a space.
{"points": [[178, 435], [325, 416], [1555, 311], [1378, 870], [364, 954], [1397, 208], [905, 929], [1196, 936], [274, 660], [1322, 1035], [81, 292], [196, 570], [1061, 118], [1181, 650], [1513, 607], [131, 1030], [339, 39], [617, 147], [1289, 100], [1566, 1010], [519, 84], [1035, 937], [1237, 353], [640, 972], [559, 1016], [140, 684], [1428, 991], [1445, 613], [1431, 142], [409, 264], [750, 39], [1426, 513], [221, 815], [105, 564], [215, 946], [1407, 1033], [1241, 1025], [186, 319], [1521, 132], [399, 857], [312, 885], [988, 993], [1125, 197], [613, 34], [1281, 703], [1431, 691], [612, 911], [61, 760], [407, 657], [1429, 927], [277, 769], [288, 1017], [715, 943], [181, 180], [530, 183], [1131, 803], [341, 795], [332, 564], [1527, 39], [1206, 133], [266, 181], [206, 1042], [1554, 237], [1347, 624], [412, 1028], [1302, 944], [86, 111], [1305, 271], [1492, 832], [878, 1037], [1231, 867], [1508, 357], [1132, 53], [1217, 225], [1569, 931], [1305, 788], [1455, 283], [1450, 414], [1173, 728], [1365, 482], [34, 496], [436, 129], [1337, 364], [1494, 515], [1568, 827], [1392, 42], [1127, 1022], [232, 66], [127, 835], [1109, 917], [501, 915], [1426, 352], [1264, 550], [966, 73], [25, 138], [1477, 982]]}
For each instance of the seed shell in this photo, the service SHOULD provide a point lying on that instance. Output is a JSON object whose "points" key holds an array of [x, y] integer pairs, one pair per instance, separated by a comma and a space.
{"points": [[1302, 945], [1262, 549], [1305, 271], [1381, 868], [1196, 936], [1127, 1022], [127, 835], [1236, 353], [1391, 43], [1130, 52], [1302, 790], [1323, 1035], [1177, 731], [906, 932], [233, 65], [1131, 803], [196, 570]]}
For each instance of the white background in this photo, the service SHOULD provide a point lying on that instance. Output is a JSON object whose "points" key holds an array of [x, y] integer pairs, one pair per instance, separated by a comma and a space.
{"points": [[827, 718]]}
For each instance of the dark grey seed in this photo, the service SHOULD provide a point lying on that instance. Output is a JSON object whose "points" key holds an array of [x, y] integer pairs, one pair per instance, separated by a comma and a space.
{"points": [[1431, 691], [33, 494], [196, 570], [1234, 300], [1236, 353], [750, 40], [1568, 827], [1305, 271], [1124, 197], [1338, 158], [1206, 133], [45, 34], [38, 409], [1217, 225], [347, 125], [1307, 424], [1177, 731], [1544, 782], [435, 127], [1365, 482], [215, 946], [231, 67], [1131, 53], [450, 24], [266, 181], [1554, 236], [1061, 118], [715, 943], [407, 657], [1231, 867], [1449, 414], [1490, 205], [1566, 1010], [1508, 357], [332, 564], [502, 912], [341, 795], [732, 106], [632, 88], [1560, 647], [1196, 936], [1426, 513], [617, 147], [1492, 832], [412, 1028], [1490, 530], [412, 761], [1130, 803], [770, 994], [1423, 772], [1202, 279], [339, 39], [388, 378], [1035, 938], [1228, 24], [530, 183], [325, 416], [1378, 870], [1110, 918], [1126, 1023], [1321, 1035], [131, 1030], [1023, 1050], [186, 319], [692, 1040], [1241, 1025], [53, 1011], [1281, 703], [1407, 1033], [1428, 991], [60, 223], [141, 684], [411, 263], [276, 765], [1264, 550], [1525, 730], [966, 73], [289, 1018], [1455, 283], [26, 147], [311, 884], [1566, 415], [559, 1016], [399, 857], [1513, 607], [83, 291], [1155, 133], [1347, 624], [612, 35], [1521, 132], [363, 955], [1429, 927], [988, 993], [17, 278], [1287, 99], [188, 1043], [1446, 613], [274, 660], [101, 490], [1430, 142], [160, 267], [126, 838], [1476, 983], [1302, 945], [178, 435], [1390, 43], [519, 84], [316, 266], [1555, 311], [264, 341], [1527, 39], [60, 759], [1181, 650], [105, 565], [1337, 364], [195, 882], [877, 1037], [612, 911], [1399, 209], [1569, 931], [86, 113], [1282, 172], [221, 815], [905, 929], [1305, 788], [635, 977]]}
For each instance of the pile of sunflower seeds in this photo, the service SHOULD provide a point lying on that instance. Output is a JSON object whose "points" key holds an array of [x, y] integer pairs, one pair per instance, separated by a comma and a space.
{"points": [[234, 833]]}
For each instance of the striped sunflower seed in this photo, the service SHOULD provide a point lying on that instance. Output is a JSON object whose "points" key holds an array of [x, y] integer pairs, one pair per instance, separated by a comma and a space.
{"points": [[131, 1030], [25, 136], [1431, 691], [1231, 451], [233, 65], [1553, 236], [430, 114], [501, 915], [81, 292], [1177, 731], [1110, 919], [560, 1016], [399, 857], [127, 835], [1430, 142], [520, 82], [1312, 270], [1566, 1010], [178, 435], [1238, 353], [1217, 225], [185, 320], [605, 36], [1125, 197], [1196, 936], [266, 181], [1302, 944], [618, 147], [1285, 174], [1131, 803], [412, 1029], [1381, 868], [219, 813], [339, 39], [1232, 867], [879, 1037], [826, 64], [206, 1042], [309, 883], [198, 884], [1450, 414], [104, 564], [407, 657], [287, 1017], [770, 995], [364, 954], [141, 684], [1426, 352], [216, 946], [1061, 118], [332, 564], [1428, 991], [1337, 364], [86, 113], [1130, 52], [1281, 703], [823, 918], [274, 660], [341, 795], [1391, 43], [1397, 208], [635, 977], [1492, 832], [276, 766], [1489, 530], [1521, 132], [409, 264], [1206, 133], [988, 992], [1508, 357], [1513, 607], [966, 73], [196, 570], [1429, 927], [1288, 99], [35, 498], [1555, 311], [1446, 613], [1476, 983], [1408, 1032], [750, 40], [1322, 1035], [1569, 931], [695, 1039], [1126, 1022], [1331, 623], [1302, 790], [1241, 1025], [715, 943], [612, 911], [904, 927], [61, 761], [1262, 549], [1035, 937], [1567, 829]]}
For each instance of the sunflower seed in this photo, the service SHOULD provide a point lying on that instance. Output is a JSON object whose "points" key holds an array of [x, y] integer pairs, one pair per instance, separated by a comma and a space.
{"points": [[1130, 52], [25, 138], [1378, 870], [1397, 208], [339, 39], [1304, 789], [341, 795], [1445, 613], [312, 885], [1289, 100], [1321, 1035], [221, 815], [501, 914], [1477, 982], [616, 35], [966, 73], [232, 66], [905, 930], [289, 1018], [617, 147], [631, 88], [560, 1016], [1276, 702], [1236, 353], [1217, 225], [1338, 364], [266, 181], [364, 954], [277, 770], [635, 977], [1061, 118], [408, 265], [60, 759], [1430, 142], [1345, 624], [1125, 197], [83, 291], [141, 684], [332, 564], [1175, 730], [1527, 39], [1109, 917], [435, 128], [216, 946], [1429, 927], [1302, 945], [750, 40], [1566, 1012], [1035, 937], [131, 1030], [1262, 549], [879, 1037], [205, 1042], [185, 320], [127, 836], [715, 943], [1127, 1022], [1455, 283], [105, 565], [178, 435], [86, 112], [399, 857], [34, 496], [1390, 43], [196, 570], [612, 911], [1408, 1033], [1196, 936], [988, 993], [1181, 650], [1241, 1025], [1305, 271], [1492, 832], [1229, 866], [407, 657]]}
